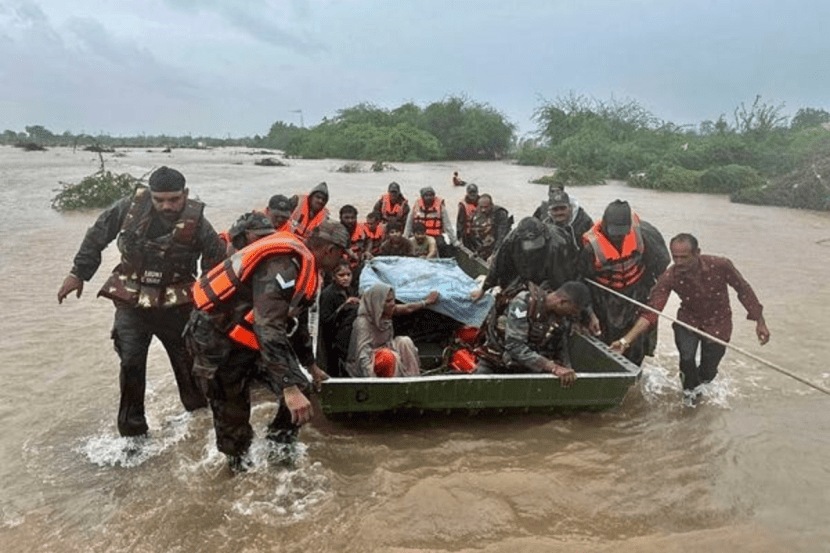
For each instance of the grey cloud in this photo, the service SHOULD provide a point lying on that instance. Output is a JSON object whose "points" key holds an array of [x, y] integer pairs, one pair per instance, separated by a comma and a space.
{"points": [[259, 20]]}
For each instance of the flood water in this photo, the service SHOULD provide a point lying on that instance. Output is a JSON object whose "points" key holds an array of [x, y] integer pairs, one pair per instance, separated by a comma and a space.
{"points": [[747, 470]]}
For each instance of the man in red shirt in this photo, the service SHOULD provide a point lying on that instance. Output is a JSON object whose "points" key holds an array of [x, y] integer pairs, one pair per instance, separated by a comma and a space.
{"points": [[701, 282]]}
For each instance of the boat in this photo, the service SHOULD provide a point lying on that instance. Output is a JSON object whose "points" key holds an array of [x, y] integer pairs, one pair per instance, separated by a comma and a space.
{"points": [[604, 377]]}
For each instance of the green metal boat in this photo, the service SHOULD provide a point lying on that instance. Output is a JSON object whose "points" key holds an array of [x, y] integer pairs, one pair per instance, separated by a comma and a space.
{"points": [[603, 380]]}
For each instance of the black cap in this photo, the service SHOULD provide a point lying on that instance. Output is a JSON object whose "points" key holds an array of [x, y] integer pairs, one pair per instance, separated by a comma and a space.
{"points": [[616, 220], [558, 198], [165, 179], [427, 190], [472, 188], [280, 205], [394, 187]]}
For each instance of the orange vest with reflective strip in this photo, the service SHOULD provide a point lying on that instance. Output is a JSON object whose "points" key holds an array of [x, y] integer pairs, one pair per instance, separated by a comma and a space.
{"points": [[430, 216], [301, 219], [469, 210], [222, 282], [389, 210], [617, 269]]}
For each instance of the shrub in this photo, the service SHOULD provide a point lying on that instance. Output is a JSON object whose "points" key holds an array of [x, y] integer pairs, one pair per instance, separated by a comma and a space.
{"points": [[572, 175], [94, 191], [729, 178], [661, 176]]}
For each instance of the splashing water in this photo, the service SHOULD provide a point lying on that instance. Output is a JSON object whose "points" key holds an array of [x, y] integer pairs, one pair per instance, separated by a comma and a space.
{"points": [[106, 450]]}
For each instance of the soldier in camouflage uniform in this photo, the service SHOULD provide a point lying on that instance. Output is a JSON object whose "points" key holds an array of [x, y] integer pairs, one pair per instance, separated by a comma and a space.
{"points": [[161, 235], [276, 286], [527, 331]]}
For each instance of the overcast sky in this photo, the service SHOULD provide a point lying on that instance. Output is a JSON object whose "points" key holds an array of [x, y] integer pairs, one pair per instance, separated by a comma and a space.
{"points": [[219, 67]]}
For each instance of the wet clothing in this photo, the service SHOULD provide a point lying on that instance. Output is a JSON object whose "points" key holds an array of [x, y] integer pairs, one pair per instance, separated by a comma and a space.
{"points": [[151, 291], [521, 336], [226, 368], [372, 331], [704, 296], [550, 264], [392, 211], [616, 315], [488, 231], [336, 319], [704, 304]]}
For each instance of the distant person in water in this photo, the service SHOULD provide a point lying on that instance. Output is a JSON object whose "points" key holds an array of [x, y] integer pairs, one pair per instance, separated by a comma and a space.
{"points": [[161, 235], [701, 282], [456, 180]]}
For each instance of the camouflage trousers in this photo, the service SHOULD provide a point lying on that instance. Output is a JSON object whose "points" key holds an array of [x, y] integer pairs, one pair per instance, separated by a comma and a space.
{"points": [[132, 331]]}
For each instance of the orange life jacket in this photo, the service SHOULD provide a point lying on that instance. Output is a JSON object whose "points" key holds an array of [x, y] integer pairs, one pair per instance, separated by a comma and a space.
{"points": [[388, 210], [302, 221], [469, 210], [376, 237], [221, 283], [617, 269], [358, 235], [430, 216]]}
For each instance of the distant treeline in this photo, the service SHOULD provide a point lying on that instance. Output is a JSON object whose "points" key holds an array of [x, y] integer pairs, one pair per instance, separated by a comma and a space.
{"points": [[756, 154]]}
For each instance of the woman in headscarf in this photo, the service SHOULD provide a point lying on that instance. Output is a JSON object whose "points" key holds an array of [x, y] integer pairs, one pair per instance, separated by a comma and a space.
{"points": [[374, 350]]}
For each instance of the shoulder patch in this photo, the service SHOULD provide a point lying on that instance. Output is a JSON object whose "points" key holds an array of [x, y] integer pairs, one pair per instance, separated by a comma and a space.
{"points": [[520, 314], [284, 284]]}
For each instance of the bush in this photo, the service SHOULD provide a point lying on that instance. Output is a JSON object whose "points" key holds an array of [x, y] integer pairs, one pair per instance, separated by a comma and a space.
{"points": [[661, 176], [572, 175], [729, 178], [95, 191]]}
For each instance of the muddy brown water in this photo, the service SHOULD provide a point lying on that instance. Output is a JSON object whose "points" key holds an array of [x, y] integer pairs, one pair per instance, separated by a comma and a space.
{"points": [[745, 471]]}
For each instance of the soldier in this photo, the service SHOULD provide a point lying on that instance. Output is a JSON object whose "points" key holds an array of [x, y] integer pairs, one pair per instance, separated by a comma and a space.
{"points": [[161, 235], [279, 211], [528, 328], [489, 227], [627, 255], [245, 327], [249, 228]]}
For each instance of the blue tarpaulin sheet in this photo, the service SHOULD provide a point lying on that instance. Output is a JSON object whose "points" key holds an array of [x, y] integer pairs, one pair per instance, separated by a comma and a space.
{"points": [[413, 278]]}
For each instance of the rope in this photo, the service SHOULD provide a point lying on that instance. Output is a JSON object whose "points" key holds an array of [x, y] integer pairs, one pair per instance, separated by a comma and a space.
{"points": [[769, 364]]}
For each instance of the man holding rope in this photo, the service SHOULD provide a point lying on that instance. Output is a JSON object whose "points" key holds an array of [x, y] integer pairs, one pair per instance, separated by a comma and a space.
{"points": [[701, 282]]}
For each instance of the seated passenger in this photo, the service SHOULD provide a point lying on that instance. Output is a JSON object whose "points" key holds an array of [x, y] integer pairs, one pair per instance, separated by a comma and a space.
{"points": [[423, 245], [488, 227], [395, 243], [527, 331], [375, 231], [373, 349], [338, 309]]}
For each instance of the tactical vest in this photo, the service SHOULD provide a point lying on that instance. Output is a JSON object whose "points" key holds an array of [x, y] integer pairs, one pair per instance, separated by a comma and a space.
{"points": [[541, 326], [617, 269], [155, 272], [216, 290], [430, 216], [301, 220]]}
